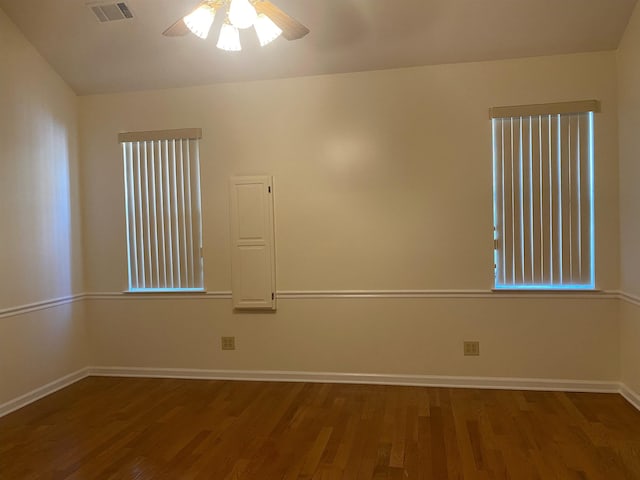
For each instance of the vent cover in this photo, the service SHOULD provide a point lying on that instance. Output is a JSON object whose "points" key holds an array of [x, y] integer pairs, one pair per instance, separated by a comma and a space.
{"points": [[110, 12]]}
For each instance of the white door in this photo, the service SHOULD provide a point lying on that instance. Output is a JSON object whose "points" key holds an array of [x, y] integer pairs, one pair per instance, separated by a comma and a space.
{"points": [[252, 241]]}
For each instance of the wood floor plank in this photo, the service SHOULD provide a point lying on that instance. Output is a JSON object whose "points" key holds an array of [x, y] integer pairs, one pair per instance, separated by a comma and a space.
{"points": [[115, 428]]}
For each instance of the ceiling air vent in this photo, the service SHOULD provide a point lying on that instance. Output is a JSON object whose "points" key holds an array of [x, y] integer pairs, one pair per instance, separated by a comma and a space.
{"points": [[110, 12]]}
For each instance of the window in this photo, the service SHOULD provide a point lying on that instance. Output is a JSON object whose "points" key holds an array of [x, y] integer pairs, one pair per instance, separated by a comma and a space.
{"points": [[162, 210], [543, 196]]}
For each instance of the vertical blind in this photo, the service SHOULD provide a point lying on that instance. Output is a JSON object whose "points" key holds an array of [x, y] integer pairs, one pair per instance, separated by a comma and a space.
{"points": [[163, 210], [543, 200]]}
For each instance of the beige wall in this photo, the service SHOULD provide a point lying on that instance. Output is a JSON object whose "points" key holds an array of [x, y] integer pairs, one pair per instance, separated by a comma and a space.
{"points": [[40, 256], [41, 347], [383, 179], [383, 182], [629, 112], [630, 346], [562, 339]]}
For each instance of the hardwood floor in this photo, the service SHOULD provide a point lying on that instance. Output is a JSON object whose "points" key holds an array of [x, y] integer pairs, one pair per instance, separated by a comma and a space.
{"points": [[115, 428]]}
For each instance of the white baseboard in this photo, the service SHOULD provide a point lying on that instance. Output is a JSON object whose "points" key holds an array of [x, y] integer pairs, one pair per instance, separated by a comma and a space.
{"points": [[497, 383], [38, 393], [502, 383], [630, 396]]}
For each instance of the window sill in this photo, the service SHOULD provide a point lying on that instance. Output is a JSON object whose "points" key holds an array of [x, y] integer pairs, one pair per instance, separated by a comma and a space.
{"points": [[176, 291], [542, 291]]}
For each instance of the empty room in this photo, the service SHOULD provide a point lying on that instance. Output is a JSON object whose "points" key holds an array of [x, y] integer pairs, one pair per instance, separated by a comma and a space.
{"points": [[337, 239]]}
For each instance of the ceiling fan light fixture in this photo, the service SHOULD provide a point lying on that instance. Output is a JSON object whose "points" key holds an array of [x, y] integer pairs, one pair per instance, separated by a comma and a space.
{"points": [[229, 38], [242, 14], [266, 30], [200, 20]]}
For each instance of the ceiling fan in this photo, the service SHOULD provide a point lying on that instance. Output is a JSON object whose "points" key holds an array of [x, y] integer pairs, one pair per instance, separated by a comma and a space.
{"points": [[268, 21]]}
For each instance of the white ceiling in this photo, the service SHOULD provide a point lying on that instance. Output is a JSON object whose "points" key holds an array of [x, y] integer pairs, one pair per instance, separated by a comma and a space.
{"points": [[346, 36]]}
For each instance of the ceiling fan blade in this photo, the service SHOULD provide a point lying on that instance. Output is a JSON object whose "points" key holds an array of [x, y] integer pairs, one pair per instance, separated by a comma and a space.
{"points": [[178, 29], [291, 28]]}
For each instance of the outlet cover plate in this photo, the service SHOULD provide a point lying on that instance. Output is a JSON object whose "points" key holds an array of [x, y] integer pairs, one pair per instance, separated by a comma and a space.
{"points": [[472, 349], [228, 343]]}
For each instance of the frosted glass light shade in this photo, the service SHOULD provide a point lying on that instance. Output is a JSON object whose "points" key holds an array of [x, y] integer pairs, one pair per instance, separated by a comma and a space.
{"points": [[229, 38], [200, 20], [242, 14], [266, 30]]}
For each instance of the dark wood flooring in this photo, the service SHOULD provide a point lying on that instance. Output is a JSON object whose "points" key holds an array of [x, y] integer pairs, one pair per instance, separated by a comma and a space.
{"points": [[116, 428]]}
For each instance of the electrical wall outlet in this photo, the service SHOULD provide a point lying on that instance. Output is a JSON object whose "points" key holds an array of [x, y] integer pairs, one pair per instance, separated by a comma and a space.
{"points": [[228, 343], [472, 349]]}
